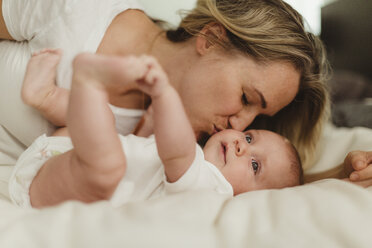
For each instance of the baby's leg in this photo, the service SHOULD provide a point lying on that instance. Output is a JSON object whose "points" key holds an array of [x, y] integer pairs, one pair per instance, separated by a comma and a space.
{"points": [[91, 123], [39, 89], [92, 170]]}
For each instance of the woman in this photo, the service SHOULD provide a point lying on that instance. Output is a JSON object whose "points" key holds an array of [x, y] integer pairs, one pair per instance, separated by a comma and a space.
{"points": [[230, 61]]}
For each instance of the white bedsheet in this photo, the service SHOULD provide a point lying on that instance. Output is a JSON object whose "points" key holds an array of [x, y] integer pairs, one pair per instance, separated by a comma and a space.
{"points": [[328, 213]]}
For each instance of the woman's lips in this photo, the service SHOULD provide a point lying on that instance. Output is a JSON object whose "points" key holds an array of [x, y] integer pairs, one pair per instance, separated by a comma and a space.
{"points": [[216, 129]]}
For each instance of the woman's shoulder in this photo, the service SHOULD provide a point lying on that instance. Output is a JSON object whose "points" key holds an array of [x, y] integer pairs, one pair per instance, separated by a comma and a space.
{"points": [[129, 33], [134, 20]]}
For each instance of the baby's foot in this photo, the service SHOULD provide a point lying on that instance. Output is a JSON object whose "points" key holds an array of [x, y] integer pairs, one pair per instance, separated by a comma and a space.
{"points": [[39, 82], [109, 72]]}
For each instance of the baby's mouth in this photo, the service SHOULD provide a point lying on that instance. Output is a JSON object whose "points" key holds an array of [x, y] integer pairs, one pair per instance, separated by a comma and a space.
{"points": [[224, 150]]}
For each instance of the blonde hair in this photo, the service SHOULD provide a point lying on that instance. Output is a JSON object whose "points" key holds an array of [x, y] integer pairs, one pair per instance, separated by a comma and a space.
{"points": [[271, 30]]}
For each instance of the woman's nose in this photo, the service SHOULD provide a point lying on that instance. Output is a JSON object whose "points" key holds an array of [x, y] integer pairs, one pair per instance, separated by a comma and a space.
{"points": [[242, 120]]}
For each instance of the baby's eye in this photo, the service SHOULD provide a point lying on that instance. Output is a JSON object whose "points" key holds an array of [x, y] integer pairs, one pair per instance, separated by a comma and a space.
{"points": [[248, 138], [254, 166]]}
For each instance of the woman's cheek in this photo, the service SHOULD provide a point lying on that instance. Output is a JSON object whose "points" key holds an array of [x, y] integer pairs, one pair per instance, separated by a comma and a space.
{"points": [[231, 107]]}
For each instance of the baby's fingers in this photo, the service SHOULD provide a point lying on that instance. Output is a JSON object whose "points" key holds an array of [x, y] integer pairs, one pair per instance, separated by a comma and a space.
{"points": [[358, 160], [47, 50], [362, 174], [364, 183]]}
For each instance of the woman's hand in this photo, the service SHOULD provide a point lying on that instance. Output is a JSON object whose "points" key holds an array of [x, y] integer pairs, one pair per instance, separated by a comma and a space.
{"points": [[358, 165]]}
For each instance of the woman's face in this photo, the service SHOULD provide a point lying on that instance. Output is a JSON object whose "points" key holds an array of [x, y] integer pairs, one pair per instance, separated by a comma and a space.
{"points": [[220, 91]]}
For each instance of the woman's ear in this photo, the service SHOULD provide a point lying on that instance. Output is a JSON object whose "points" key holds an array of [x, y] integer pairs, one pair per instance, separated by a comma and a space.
{"points": [[209, 36]]}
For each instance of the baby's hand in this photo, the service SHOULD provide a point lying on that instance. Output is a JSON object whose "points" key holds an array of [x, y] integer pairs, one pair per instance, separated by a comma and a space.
{"points": [[155, 79], [359, 163]]}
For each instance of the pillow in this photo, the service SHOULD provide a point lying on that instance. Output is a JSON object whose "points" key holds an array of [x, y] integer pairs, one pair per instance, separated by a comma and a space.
{"points": [[19, 123]]}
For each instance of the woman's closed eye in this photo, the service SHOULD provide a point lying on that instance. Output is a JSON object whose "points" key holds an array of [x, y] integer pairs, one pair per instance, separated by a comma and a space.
{"points": [[244, 99]]}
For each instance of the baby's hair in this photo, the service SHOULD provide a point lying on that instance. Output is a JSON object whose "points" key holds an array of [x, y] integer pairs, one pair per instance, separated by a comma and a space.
{"points": [[295, 163]]}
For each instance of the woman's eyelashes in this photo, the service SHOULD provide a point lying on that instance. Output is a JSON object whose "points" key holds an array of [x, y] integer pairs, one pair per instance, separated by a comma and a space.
{"points": [[245, 99], [248, 138]]}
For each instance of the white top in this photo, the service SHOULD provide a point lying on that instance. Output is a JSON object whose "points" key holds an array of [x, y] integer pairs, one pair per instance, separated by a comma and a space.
{"points": [[144, 177], [75, 26], [126, 120]]}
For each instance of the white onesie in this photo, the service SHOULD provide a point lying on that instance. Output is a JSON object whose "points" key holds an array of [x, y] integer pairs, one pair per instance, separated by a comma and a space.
{"points": [[144, 177]]}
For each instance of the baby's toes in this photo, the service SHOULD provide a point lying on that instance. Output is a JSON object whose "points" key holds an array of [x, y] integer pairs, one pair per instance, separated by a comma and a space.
{"points": [[36, 53], [152, 77], [150, 62], [57, 51], [48, 50]]}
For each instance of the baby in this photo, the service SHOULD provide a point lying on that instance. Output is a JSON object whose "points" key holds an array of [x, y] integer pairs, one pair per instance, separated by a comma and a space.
{"points": [[98, 164]]}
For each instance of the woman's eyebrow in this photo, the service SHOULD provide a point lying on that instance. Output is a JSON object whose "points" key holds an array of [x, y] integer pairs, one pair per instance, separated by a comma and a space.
{"points": [[262, 98]]}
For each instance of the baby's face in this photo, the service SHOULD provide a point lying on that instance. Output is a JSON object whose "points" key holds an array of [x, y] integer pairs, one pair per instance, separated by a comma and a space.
{"points": [[253, 160]]}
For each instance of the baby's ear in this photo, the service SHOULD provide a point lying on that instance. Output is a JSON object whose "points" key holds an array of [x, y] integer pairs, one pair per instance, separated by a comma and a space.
{"points": [[211, 36]]}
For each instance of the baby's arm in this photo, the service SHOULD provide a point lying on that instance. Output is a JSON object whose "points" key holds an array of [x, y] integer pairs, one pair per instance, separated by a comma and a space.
{"points": [[174, 135]]}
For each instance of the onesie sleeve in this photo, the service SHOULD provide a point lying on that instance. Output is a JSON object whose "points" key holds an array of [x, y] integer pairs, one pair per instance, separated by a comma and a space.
{"points": [[200, 175]]}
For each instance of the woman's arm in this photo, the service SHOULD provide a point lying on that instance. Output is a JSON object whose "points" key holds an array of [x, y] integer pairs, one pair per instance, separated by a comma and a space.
{"points": [[4, 33]]}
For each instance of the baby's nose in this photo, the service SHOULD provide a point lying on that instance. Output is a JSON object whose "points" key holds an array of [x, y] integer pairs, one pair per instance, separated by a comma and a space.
{"points": [[241, 147]]}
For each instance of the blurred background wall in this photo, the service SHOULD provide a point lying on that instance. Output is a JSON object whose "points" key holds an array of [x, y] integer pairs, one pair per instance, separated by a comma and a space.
{"points": [[167, 10], [346, 30], [347, 33]]}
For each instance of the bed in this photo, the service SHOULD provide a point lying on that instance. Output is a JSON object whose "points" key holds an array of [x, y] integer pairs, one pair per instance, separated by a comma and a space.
{"points": [[325, 213]]}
